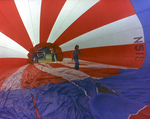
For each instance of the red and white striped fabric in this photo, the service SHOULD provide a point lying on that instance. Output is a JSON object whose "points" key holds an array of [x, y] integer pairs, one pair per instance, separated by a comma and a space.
{"points": [[106, 31]]}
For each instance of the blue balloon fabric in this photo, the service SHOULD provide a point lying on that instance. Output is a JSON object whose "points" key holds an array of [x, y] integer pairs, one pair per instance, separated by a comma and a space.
{"points": [[107, 106], [132, 94], [67, 100], [79, 99], [17, 104]]}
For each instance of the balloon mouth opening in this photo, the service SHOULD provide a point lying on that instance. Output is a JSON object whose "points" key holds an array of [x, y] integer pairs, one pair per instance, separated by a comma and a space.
{"points": [[45, 52]]}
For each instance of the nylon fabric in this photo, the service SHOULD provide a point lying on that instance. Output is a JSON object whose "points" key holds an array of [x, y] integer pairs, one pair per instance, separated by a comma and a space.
{"points": [[33, 77], [64, 100], [17, 104], [13, 81], [131, 83], [107, 106], [132, 89], [142, 9], [72, 99], [112, 32], [142, 114]]}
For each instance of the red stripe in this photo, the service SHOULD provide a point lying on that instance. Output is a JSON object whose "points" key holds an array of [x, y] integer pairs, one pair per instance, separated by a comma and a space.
{"points": [[9, 66], [104, 12], [5, 73], [11, 24], [50, 10], [37, 112], [143, 114], [94, 72], [123, 55], [6, 63], [100, 72], [33, 77]]}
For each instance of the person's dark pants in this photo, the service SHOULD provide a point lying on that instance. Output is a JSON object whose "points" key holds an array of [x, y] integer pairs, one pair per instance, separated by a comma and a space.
{"points": [[52, 57], [76, 64], [36, 58]]}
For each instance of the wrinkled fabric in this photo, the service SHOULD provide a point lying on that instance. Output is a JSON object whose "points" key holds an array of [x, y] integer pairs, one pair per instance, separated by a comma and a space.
{"points": [[144, 113], [67, 100], [17, 104], [79, 99], [132, 84], [132, 89], [107, 106]]}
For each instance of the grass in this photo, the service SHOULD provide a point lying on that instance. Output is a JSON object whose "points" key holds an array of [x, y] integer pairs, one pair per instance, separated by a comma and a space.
{"points": [[48, 59]]}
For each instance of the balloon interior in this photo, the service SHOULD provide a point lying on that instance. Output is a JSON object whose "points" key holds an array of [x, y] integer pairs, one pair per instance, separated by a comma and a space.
{"points": [[38, 78]]}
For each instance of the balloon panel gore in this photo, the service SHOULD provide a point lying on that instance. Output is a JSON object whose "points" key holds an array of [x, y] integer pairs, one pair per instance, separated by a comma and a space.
{"points": [[132, 55]]}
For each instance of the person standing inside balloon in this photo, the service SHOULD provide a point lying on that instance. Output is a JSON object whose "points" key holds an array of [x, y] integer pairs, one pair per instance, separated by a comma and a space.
{"points": [[52, 53], [75, 57]]}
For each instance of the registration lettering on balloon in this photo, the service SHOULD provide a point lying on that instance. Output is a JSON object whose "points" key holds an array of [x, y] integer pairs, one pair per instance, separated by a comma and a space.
{"points": [[140, 52]]}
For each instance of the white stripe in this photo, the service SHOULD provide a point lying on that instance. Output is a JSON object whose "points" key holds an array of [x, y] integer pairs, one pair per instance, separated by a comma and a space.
{"points": [[70, 12], [9, 48], [88, 64], [120, 32], [30, 14], [66, 73], [13, 81]]}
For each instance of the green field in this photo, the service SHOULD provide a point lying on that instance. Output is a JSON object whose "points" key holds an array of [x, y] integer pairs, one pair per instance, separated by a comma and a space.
{"points": [[48, 59]]}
